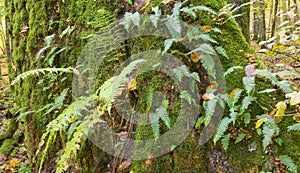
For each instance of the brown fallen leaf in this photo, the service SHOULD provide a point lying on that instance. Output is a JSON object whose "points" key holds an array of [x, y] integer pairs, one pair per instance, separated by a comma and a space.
{"points": [[124, 165]]}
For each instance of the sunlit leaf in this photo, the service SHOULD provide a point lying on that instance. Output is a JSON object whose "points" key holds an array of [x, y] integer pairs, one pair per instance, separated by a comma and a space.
{"points": [[260, 122], [281, 107], [297, 118], [295, 99]]}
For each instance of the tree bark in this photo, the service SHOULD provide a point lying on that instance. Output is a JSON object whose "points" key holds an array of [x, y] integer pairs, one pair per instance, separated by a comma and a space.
{"points": [[30, 21]]}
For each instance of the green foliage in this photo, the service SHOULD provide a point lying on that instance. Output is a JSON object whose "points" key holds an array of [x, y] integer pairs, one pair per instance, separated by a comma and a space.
{"points": [[225, 142], [37, 72], [295, 127], [289, 163]]}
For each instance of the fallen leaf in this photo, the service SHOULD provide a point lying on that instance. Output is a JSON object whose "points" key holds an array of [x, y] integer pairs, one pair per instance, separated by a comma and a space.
{"points": [[207, 28], [273, 112], [297, 118], [249, 70], [166, 1], [196, 56], [132, 84], [295, 99], [24, 29], [124, 165], [208, 96]]}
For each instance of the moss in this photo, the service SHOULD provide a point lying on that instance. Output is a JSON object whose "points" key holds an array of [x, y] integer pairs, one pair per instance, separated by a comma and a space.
{"points": [[9, 126], [8, 146]]}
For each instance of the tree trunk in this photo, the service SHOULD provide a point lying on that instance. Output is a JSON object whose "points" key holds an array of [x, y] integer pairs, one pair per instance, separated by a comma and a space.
{"points": [[256, 21], [30, 21], [244, 20], [262, 21], [274, 18]]}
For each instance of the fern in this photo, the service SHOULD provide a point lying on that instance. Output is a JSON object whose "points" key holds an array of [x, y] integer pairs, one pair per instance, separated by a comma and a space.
{"points": [[222, 128], [267, 136], [289, 163], [131, 18], [231, 70], [249, 84], [209, 108], [71, 149], [221, 51], [240, 137], [225, 142], [295, 127], [112, 88], [161, 113], [37, 72]]}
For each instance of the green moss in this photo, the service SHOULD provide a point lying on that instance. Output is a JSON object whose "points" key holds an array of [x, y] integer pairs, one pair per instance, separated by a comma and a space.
{"points": [[8, 146]]}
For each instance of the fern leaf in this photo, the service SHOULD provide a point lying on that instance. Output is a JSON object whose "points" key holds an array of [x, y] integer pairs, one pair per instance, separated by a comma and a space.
{"points": [[267, 136], [285, 86], [135, 18], [154, 18], [70, 151], [204, 8], [36, 72], [247, 101], [249, 84], [295, 127], [231, 70], [209, 65], [240, 137], [289, 163], [210, 108], [221, 51], [222, 129], [173, 25], [168, 43], [225, 142]]}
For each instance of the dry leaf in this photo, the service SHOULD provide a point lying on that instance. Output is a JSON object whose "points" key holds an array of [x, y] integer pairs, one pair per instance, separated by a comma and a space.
{"points": [[207, 28], [166, 1], [24, 29], [272, 113], [132, 84], [297, 118], [124, 165], [231, 95], [196, 56], [249, 70], [295, 99], [281, 107], [208, 96]]}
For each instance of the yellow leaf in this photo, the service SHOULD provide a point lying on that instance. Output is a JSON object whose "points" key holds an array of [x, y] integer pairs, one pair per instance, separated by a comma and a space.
{"points": [[147, 3], [166, 1], [295, 99], [206, 28], [132, 85], [260, 122], [231, 95], [196, 56], [278, 46], [13, 163], [297, 118], [281, 107]]}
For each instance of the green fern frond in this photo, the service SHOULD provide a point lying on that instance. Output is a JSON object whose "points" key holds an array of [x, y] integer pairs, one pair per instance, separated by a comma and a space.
{"points": [[240, 137], [37, 72], [222, 128], [231, 70], [160, 113], [209, 107], [267, 136], [70, 151], [112, 88], [249, 84], [289, 163], [246, 102], [225, 142], [295, 127], [221, 51]]}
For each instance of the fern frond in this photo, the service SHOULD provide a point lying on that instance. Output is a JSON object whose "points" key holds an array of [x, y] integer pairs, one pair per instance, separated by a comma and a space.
{"points": [[112, 88], [267, 136], [240, 137], [204, 8], [37, 72], [222, 128], [295, 127], [160, 113], [70, 151], [225, 142], [231, 70], [209, 108], [289, 163], [249, 84], [221, 51], [247, 101]]}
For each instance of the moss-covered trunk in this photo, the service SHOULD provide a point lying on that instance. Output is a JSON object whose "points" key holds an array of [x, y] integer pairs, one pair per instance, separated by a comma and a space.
{"points": [[29, 22]]}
